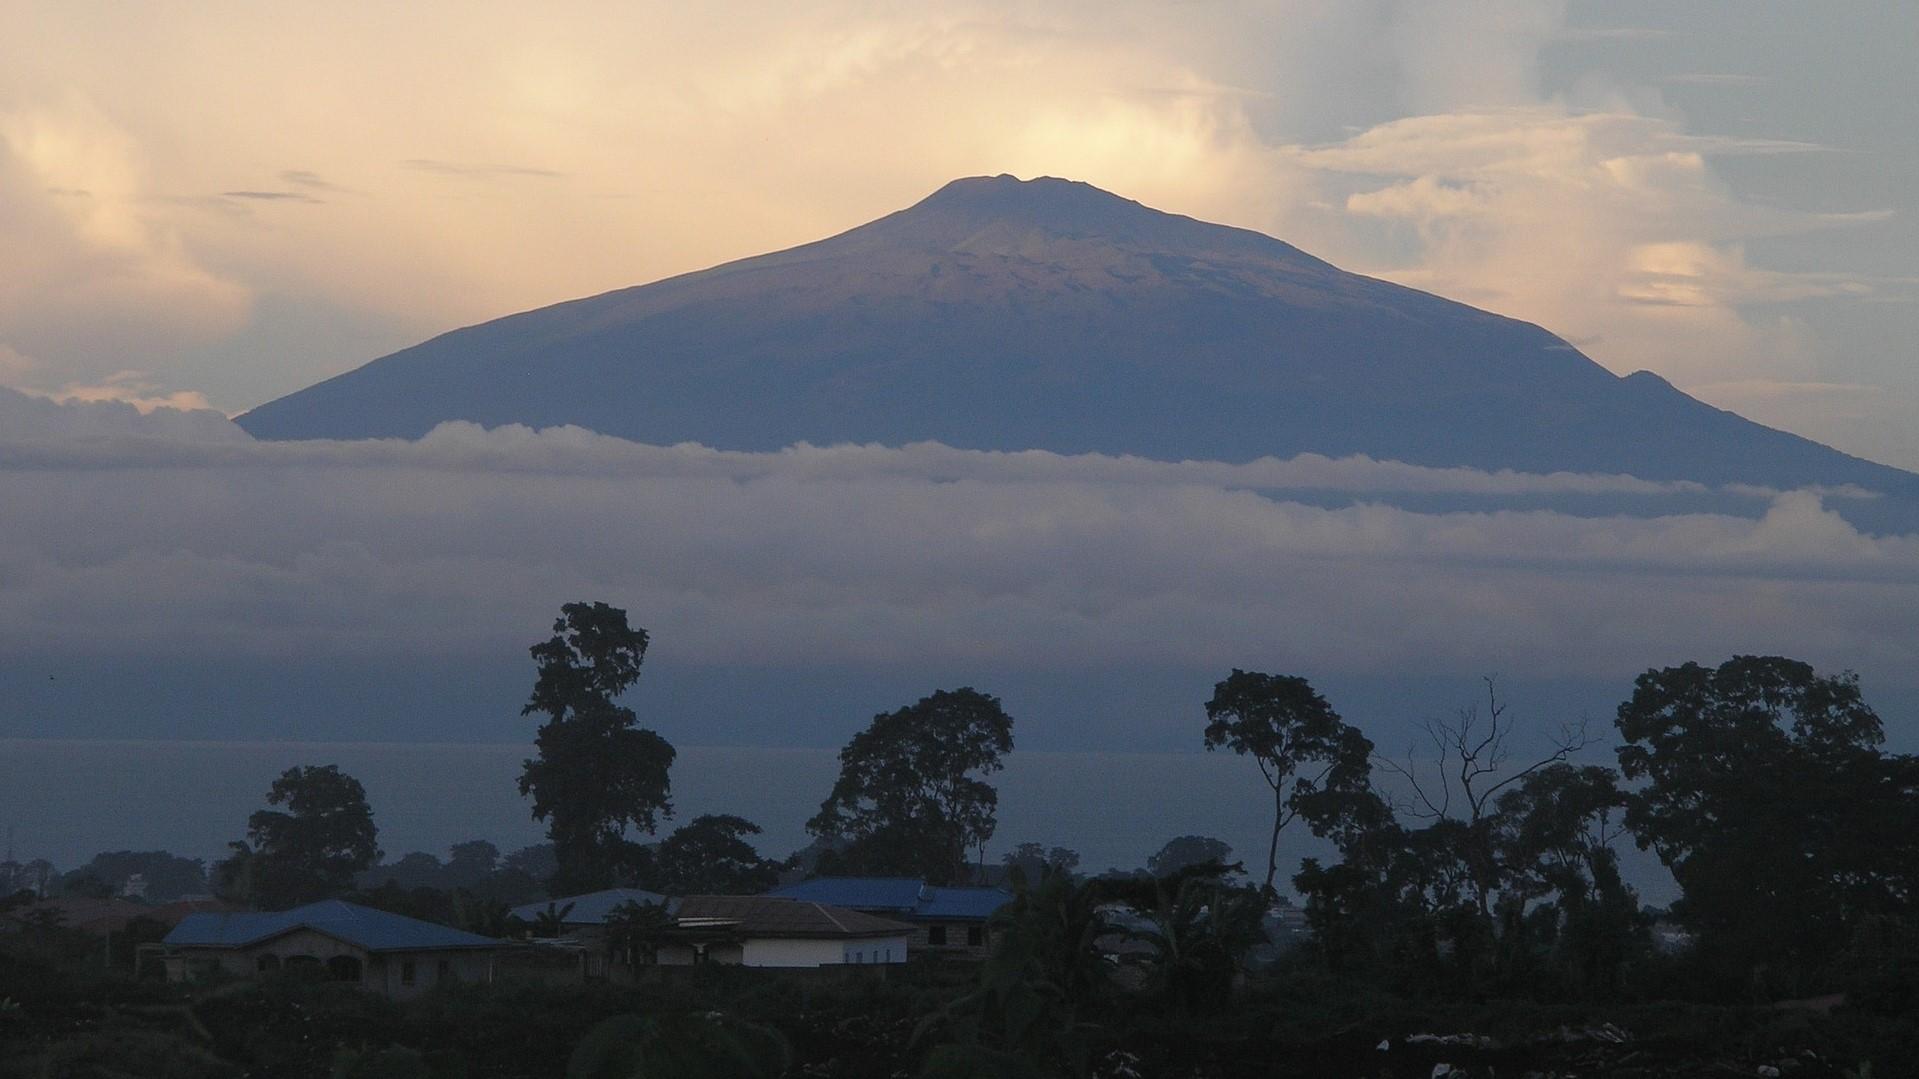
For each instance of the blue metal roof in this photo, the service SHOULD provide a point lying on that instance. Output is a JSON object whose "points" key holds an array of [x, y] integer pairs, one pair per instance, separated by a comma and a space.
{"points": [[962, 904], [591, 908], [903, 896], [374, 930], [858, 893]]}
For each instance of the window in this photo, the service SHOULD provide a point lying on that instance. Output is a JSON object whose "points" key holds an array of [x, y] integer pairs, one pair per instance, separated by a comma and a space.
{"points": [[859, 957], [444, 971], [975, 936], [267, 962], [936, 936], [406, 972]]}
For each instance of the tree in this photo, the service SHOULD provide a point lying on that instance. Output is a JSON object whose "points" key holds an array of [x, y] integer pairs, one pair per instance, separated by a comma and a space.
{"points": [[597, 773], [1041, 992], [1766, 794], [711, 856], [167, 876], [1472, 765], [908, 799], [1033, 859], [471, 862], [1187, 851], [309, 851], [1315, 764], [1198, 929]]}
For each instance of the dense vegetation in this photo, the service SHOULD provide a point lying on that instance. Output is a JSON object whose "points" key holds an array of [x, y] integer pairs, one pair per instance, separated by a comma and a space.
{"points": [[1475, 914]]}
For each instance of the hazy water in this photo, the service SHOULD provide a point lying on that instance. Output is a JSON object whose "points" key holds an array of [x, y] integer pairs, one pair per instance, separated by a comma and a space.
{"points": [[66, 800]]}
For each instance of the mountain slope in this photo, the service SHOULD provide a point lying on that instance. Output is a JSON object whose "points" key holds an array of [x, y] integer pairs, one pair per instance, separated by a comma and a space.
{"points": [[999, 313]]}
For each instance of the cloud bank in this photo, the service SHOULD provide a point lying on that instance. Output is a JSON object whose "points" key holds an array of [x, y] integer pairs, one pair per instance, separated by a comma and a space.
{"points": [[145, 544]]}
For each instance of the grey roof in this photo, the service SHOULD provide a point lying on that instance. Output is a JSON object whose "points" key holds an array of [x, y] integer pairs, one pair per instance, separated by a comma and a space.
{"points": [[591, 908], [903, 897], [771, 916], [373, 930]]}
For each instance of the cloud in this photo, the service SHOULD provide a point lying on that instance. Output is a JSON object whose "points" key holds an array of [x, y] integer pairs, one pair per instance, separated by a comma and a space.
{"points": [[272, 196], [1607, 226], [1585, 34], [921, 555], [1713, 78], [307, 178], [480, 172], [109, 415], [91, 273]]}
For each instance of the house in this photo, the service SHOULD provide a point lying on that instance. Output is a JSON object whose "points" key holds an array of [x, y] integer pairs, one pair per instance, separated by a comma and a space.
{"points": [[586, 912], [946, 921], [768, 931], [582, 945], [383, 953]]}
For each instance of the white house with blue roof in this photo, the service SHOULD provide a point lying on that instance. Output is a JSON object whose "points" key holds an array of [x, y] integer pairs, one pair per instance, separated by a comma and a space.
{"points": [[946, 920], [383, 953]]}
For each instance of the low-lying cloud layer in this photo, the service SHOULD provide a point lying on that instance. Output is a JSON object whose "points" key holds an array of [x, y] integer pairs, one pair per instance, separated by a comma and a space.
{"points": [[154, 543]]}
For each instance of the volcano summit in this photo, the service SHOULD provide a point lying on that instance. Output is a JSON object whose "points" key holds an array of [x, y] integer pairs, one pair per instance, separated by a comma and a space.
{"points": [[1048, 314]]}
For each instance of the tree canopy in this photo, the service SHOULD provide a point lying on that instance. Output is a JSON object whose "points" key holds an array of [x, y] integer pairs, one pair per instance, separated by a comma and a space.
{"points": [[909, 799], [710, 855], [1315, 763], [1766, 794], [597, 774], [309, 851]]}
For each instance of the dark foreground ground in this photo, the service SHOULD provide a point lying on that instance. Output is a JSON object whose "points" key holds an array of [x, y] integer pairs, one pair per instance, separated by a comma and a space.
{"points": [[59, 1022]]}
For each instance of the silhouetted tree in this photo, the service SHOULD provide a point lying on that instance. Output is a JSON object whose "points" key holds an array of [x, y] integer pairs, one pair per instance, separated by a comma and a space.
{"points": [[471, 862], [908, 800], [1184, 852], [1472, 764], [309, 851], [1314, 762], [597, 774], [1033, 859], [167, 876], [710, 855], [1043, 992], [1766, 794]]}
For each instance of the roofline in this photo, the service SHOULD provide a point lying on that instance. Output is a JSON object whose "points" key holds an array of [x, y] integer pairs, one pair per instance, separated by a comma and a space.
{"points": [[334, 935]]}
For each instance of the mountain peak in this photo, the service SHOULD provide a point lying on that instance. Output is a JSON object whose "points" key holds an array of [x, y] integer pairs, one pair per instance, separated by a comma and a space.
{"points": [[965, 210], [1059, 201]]}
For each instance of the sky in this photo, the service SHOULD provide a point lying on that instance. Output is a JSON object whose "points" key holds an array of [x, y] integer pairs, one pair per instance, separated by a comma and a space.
{"points": [[209, 205], [217, 204]]}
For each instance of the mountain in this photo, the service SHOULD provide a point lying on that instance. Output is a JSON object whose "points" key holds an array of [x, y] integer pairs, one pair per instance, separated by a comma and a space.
{"points": [[1009, 314]]}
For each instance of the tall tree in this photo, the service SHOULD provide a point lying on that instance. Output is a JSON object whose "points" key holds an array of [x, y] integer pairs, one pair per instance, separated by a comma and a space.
{"points": [[597, 773], [310, 850], [909, 799], [1317, 766], [1764, 790]]}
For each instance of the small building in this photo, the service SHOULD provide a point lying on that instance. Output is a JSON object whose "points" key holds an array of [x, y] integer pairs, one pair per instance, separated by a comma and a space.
{"points": [[946, 921], [586, 912], [768, 931], [581, 945], [383, 953]]}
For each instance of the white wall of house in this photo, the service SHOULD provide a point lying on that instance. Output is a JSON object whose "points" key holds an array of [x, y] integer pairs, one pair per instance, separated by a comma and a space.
{"points": [[772, 952], [387, 973], [775, 952], [384, 972]]}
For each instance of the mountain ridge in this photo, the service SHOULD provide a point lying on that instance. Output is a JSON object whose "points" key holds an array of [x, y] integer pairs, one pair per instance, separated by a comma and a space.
{"points": [[1000, 313]]}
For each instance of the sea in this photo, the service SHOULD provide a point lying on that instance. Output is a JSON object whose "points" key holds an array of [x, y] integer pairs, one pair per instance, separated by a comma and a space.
{"points": [[66, 799]]}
